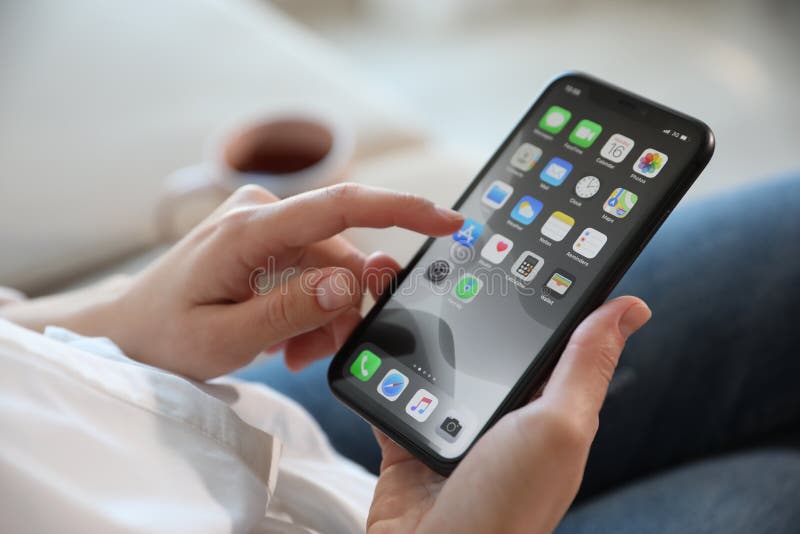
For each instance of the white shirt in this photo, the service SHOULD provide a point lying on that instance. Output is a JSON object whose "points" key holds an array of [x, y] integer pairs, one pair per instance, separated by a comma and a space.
{"points": [[95, 442]]}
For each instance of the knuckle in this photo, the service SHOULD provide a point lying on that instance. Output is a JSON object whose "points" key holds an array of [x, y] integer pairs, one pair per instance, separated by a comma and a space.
{"points": [[278, 314], [252, 193], [234, 219], [604, 353], [565, 431], [344, 191], [606, 358], [412, 201]]}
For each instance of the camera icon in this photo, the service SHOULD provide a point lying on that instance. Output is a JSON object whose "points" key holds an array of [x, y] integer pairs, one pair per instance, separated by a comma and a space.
{"points": [[449, 429]]}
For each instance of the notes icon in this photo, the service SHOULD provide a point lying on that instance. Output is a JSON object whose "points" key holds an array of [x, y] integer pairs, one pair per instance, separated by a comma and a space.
{"points": [[557, 226], [422, 405]]}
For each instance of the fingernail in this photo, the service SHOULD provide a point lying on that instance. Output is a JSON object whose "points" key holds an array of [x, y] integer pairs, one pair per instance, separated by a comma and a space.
{"points": [[634, 318], [449, 214], [335, 291]]}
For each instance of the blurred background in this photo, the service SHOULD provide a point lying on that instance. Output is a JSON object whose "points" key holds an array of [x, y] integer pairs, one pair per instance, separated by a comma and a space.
{"points": [[101, 101]]}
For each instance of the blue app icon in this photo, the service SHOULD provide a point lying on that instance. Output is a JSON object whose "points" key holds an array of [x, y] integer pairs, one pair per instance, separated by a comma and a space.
{"points": [[469, 233], [556, 171], [393, 384], [526, 210]]}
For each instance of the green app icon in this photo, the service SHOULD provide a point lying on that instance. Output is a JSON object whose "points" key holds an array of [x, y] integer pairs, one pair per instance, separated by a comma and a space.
{"points": [[467, 288], [585, 133], [365, 365], [555, 119]]}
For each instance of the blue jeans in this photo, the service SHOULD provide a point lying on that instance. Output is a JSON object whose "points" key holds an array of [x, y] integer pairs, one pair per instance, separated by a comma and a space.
{"points": [[701, 428]]}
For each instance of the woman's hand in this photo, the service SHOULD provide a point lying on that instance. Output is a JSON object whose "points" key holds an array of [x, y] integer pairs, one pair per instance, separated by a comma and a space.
{"points": [[197, 310], [522, 475]]}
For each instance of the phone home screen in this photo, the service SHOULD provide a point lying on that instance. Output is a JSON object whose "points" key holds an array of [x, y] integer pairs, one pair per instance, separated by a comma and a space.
{"points": [[544, 222]]}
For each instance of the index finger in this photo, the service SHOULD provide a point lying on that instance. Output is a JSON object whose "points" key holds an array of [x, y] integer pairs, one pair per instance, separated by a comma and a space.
{"points": [[320, 214]]}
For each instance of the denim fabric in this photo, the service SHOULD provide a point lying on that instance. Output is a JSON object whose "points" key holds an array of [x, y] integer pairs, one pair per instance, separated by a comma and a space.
{"points": [[703, 392]]}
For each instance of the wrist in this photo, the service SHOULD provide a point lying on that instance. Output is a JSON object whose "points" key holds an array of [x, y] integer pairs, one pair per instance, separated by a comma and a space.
{"points": [[90, 311]]}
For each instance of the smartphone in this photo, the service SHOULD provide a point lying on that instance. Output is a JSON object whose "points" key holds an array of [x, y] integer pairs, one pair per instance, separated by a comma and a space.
{"points": [[475, 323]]}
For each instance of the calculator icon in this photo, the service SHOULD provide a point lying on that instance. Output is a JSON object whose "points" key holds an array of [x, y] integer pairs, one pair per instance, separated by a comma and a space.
{"points": [[527, 266]]}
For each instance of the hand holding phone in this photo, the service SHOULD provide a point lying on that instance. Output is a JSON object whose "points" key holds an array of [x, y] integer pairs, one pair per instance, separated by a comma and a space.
{"points": [[477, 321], [530, 463]]}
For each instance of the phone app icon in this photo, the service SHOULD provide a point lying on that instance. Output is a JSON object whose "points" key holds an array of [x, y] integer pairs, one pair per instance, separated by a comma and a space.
{"points": [[620, 203], [590, 243], [365, 365], [617, 148], [555, 119], [497, 248], [526, 210], [556, 171], [393, 384], [467, 288], [526, 156], [497, 194], [527, 266], [585, 133], [650, 163], [559, 283], [470, 231], [422, 405], [557, 226]]}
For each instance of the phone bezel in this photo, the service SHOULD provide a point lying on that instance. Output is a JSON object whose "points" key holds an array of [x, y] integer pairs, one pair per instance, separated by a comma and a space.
{"points": [[535, 375]]}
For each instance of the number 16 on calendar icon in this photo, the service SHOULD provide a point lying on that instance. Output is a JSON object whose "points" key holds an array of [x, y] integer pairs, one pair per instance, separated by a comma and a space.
{"points": [[422, 405]]}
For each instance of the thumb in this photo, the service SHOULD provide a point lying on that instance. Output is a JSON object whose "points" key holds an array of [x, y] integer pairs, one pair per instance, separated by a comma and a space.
{"points": [[303, 303], [580, 380]]}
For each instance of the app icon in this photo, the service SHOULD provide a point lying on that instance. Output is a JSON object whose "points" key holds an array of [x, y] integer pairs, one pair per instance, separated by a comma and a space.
{"points": [[497, 194], [526, 156], [422, 405], [527, 266], [555, 119], [526, 210], [620, 203], [497, 248], [587, 187], [393, 384], [557, 226], [556, 171], [470, 231], [449, 428], [365, 365], [585, 133], [650, 163], [467, 288], [437, 271], [589, 243], [617, 148], [559, 283]]}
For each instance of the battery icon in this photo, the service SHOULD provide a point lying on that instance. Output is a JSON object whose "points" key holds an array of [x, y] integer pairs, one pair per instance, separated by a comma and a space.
{"points": [[683, 138]]}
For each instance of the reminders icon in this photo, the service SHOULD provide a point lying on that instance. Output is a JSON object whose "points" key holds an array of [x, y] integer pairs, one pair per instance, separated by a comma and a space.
{"points": [[589, 243]]}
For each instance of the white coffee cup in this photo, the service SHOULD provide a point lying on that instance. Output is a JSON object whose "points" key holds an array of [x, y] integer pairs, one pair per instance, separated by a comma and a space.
{"points": [[287, 154]]}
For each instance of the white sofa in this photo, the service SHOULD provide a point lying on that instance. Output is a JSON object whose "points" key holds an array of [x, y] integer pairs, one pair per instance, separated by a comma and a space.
{"points": [[100, 101]]}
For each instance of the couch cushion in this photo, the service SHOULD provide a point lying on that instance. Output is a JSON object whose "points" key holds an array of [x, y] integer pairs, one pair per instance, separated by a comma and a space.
{"points": [[101, 100]]}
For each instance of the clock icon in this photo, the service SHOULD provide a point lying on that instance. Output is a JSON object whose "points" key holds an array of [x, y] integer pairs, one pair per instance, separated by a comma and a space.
{"points": [[587, 187]]}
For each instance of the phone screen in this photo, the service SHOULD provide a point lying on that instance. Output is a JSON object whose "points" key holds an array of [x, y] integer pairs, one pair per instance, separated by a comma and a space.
{"points": [[588, 172]]}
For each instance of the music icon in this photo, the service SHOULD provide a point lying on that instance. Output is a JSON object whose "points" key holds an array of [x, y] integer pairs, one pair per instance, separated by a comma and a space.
{"points": [[422, 405]]}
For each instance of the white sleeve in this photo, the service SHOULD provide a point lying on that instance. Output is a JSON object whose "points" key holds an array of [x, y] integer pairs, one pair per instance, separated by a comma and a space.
{"points": [[100, 444]]}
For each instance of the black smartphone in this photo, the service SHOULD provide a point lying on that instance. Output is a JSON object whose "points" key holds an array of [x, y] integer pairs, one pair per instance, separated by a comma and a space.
{"points": [[477, 320]]}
